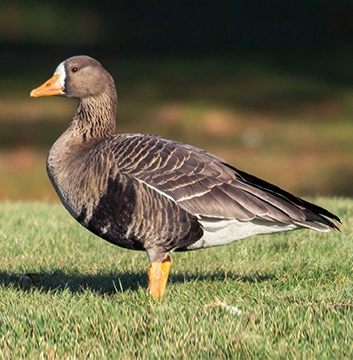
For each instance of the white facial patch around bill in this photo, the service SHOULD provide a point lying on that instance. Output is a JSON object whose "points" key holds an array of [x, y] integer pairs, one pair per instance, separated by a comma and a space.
{"points": [[60, 70]]}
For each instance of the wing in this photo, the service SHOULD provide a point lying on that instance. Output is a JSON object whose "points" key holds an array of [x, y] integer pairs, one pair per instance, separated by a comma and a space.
{"points": [[209, 187]]}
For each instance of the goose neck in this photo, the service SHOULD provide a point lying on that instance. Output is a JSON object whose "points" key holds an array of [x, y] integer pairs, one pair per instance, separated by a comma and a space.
{"points": [[95, 117]]}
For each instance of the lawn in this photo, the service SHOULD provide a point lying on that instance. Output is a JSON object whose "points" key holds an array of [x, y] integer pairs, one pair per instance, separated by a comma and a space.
{"points": [[66, 294]]}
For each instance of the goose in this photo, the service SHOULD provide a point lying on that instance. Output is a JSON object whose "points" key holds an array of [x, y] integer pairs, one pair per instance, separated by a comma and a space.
{"points": [[145, 192]]}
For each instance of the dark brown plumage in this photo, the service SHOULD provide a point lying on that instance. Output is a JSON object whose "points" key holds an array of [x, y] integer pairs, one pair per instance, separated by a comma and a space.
{"points": [[144, 192]]}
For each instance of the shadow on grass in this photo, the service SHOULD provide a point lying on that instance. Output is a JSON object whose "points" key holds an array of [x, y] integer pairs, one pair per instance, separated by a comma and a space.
{"points": [[109, 283]]}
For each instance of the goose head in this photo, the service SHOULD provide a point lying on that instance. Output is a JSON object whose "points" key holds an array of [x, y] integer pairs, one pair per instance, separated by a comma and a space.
{"points": [[78, 77]]}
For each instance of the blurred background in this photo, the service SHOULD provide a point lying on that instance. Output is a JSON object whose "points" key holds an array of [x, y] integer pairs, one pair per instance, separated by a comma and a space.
{"points": [[267, 85]]}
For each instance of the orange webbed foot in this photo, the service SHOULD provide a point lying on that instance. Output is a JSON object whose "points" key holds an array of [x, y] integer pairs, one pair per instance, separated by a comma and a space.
{"points": [[158, 273]]}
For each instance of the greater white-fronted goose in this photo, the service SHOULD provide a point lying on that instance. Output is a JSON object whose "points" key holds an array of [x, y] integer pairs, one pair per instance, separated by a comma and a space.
{"points": [[144, 192]]}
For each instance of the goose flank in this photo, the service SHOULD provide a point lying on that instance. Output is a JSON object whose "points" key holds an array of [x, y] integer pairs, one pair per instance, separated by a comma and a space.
{"points": [[144, 192]]}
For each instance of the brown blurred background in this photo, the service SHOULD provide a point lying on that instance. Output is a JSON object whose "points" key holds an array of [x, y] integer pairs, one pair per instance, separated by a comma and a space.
{"points": [[267, 85]]}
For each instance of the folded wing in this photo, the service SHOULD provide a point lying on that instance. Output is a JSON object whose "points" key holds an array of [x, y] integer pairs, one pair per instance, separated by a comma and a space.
{"points": [[209, 187]]}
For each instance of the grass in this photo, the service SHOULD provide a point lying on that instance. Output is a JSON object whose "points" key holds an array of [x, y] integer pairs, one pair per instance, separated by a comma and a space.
{"points": [[85, 298], [66, 294]]}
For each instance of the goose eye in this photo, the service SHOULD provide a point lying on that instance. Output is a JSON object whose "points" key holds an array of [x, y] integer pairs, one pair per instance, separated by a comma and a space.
{"points": [[74, 69]]}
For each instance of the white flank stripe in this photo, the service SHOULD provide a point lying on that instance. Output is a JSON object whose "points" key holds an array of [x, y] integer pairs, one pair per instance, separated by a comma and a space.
{"points": [[225, 232]]}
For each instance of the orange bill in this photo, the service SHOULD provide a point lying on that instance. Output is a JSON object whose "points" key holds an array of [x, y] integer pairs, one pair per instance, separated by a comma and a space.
{"points": [[49, 88]]}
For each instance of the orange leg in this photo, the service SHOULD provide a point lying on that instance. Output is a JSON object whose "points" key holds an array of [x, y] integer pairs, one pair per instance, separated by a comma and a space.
{"points": [[157, 277]]}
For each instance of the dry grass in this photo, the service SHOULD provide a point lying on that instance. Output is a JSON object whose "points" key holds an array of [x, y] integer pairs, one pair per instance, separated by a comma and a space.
{"points": [[291, 129]]}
